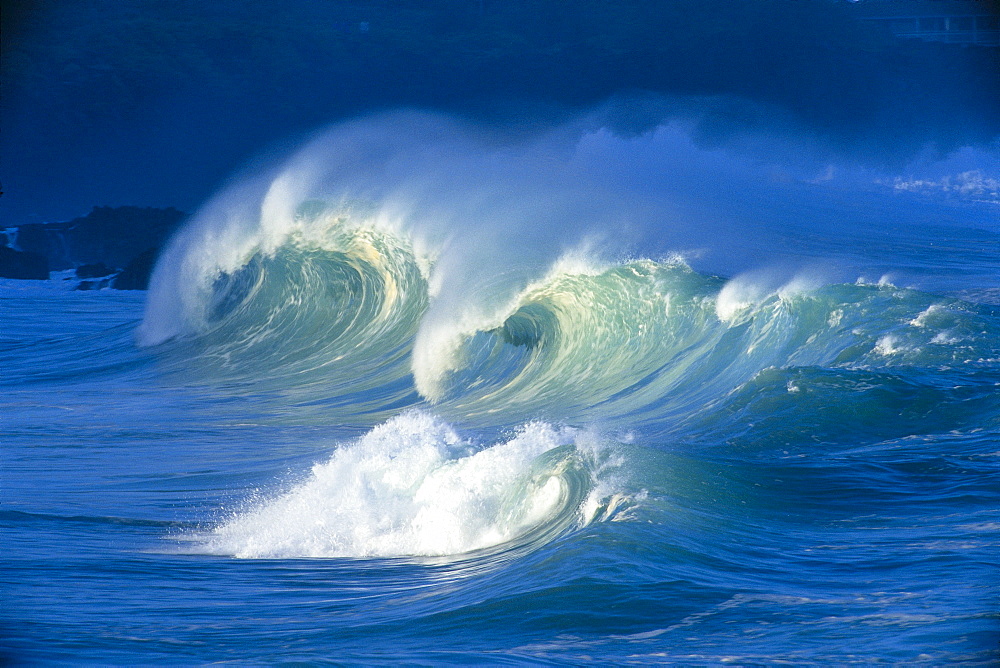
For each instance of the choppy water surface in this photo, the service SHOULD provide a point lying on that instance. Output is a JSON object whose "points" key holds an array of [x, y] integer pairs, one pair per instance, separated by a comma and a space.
{"points": [[419, 398]]}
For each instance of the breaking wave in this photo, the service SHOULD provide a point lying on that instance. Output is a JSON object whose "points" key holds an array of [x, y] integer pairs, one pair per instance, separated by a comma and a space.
{"points": [[414, 487], [425, 270]]}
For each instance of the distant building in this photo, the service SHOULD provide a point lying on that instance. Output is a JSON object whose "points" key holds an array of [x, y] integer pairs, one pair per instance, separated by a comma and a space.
{"points": [[952, 21]]}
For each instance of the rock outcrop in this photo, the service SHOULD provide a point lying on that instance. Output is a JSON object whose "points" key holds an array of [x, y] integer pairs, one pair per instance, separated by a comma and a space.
{"points": [[19, 264], [95, 270], [95, 244], [135, 275]]}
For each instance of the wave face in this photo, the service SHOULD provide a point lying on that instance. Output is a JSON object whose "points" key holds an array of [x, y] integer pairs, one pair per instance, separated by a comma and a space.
{"points": [[331, 279], [329, 311]]}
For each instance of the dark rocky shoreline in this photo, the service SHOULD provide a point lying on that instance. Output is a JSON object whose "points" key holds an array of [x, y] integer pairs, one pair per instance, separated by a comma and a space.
{"points": [[110, 247]]}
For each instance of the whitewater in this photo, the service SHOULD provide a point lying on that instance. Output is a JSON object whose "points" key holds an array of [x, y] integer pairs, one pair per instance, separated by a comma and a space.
{"points": [[422, 392]]}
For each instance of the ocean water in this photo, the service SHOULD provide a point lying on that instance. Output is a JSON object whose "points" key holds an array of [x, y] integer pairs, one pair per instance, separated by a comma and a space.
{"points": [[419, 394]]}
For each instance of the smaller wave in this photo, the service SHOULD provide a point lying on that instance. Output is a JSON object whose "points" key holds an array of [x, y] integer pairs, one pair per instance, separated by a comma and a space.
{"points": [[413, 487], [272, 267]]}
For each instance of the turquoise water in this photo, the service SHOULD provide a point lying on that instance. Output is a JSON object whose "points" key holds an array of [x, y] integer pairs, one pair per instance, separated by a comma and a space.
{"points": [[398, 414]]}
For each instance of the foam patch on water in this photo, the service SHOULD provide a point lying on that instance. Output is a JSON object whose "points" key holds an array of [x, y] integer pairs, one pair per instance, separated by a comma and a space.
{"points": [[973, 184], [414, 487]]}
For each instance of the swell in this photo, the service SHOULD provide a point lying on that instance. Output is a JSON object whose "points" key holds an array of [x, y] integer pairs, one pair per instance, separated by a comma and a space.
{"points": [[17, 516]]}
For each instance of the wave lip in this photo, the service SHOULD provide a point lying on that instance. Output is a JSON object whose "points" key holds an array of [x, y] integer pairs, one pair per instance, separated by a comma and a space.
{"points": [[413, 487]]}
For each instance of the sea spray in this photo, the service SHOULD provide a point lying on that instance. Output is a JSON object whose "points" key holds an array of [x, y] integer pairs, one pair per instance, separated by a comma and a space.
{"points": [[414, 487], [493, 211]]}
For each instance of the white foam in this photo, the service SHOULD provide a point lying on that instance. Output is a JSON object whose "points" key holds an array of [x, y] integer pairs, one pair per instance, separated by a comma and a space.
{"points": [[887, 345], [923, 316], [946, 338], [971, 184], [411, 486]]}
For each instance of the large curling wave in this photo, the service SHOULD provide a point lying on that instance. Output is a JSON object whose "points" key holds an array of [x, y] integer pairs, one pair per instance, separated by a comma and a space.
{"points": [[410, 251], [422, 277]]}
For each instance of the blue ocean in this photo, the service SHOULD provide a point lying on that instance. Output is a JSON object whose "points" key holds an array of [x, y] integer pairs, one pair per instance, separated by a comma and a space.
{"points": [[416, 393]]}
